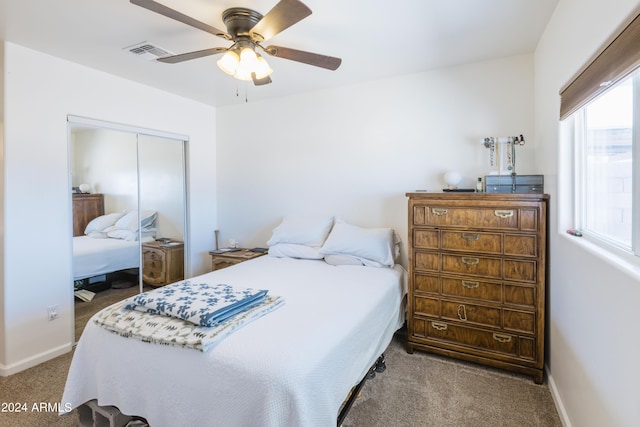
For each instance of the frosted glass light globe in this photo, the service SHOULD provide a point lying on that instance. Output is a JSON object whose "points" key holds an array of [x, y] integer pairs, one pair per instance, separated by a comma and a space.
{"points": [[84, 188], [452, 179]]}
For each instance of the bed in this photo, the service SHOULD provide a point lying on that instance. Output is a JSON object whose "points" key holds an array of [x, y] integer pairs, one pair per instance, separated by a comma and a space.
{"points": [[111, 243], [93, 257], [294, 366]]}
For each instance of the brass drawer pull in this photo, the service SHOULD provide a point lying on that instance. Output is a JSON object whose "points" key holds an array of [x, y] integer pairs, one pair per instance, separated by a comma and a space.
{"points": [[439, 211], [503, 213], [470, 261], [470, 237], [439, 326], [462, 312], [470, 284], [501, 338]]}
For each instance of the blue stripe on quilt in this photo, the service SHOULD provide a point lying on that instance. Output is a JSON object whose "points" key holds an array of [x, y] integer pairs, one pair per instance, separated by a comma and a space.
{"points": [[199, 303]]}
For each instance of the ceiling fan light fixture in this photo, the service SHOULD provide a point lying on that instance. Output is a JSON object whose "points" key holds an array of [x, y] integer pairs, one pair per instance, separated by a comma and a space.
{"points": [[243, 63], [243, 72], [229, 62], [248, 58], [262, 69]]}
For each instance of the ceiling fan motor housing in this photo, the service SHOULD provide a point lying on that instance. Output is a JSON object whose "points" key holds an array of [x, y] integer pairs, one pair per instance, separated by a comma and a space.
{"points": [[240, 21]]}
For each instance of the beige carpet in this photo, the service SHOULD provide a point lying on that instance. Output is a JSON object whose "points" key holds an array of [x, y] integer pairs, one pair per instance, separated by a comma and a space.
{"points": [[416, 390], [422, 389]]}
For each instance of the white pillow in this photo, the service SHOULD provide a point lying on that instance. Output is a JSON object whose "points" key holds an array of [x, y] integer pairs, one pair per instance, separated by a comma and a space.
{"points": [[302, 230], [116, 233], [342, 260], [122, 234], [130, 220], [102, 222], [98, 235], [292, 250], [373, 246]]}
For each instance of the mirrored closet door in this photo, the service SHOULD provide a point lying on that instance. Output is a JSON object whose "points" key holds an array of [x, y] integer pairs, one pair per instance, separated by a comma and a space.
{"points": [[128, 211]]}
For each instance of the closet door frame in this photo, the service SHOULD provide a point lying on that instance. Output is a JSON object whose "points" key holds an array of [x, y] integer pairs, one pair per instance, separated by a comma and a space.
{"points": [[72, 121]]}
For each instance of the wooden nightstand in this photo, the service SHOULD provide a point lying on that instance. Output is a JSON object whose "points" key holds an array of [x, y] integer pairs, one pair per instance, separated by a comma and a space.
{"points": [[162, 263], [226, 259]]}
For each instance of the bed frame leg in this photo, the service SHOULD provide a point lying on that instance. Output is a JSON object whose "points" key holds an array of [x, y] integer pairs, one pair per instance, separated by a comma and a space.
{"points": [[379, 366]]}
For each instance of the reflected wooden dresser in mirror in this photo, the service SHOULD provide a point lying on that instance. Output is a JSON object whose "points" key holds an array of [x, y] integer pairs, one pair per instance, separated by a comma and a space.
{"points": [[85, 208]]}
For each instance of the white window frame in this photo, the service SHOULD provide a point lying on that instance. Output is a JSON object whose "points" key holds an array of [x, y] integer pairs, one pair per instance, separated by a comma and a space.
{"points": [[577, 126]]}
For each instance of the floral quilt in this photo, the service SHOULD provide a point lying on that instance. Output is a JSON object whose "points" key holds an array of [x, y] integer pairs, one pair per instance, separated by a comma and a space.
{"points": [[199, 303]]}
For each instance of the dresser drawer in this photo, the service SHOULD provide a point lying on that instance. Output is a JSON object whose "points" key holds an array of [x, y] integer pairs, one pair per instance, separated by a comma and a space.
{"points": [[520, 270], [427, 307], [524, 296], [472, 288], [429, 261], [525, 245], [154, 276], [472, 313], [487, 316], [456, 337], [153, 256], [480, 217], [519, 321], [472, 337], [426, 239], [426, 283], [488, 243], [472, 265]]}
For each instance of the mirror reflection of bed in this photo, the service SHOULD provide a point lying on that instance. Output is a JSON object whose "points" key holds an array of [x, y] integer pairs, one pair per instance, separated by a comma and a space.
{"points": [[129, 190]]}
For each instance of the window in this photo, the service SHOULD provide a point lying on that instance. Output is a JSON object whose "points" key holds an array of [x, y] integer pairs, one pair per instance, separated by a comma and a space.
{"points": [[603, 103], [604, 164]]}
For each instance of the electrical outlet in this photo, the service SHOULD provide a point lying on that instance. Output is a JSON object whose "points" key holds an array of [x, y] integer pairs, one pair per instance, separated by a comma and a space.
{"points": [[52, 311]]}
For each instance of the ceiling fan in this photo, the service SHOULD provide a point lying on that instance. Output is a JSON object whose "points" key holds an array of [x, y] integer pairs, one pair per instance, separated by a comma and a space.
{"points": [[247, 29]]}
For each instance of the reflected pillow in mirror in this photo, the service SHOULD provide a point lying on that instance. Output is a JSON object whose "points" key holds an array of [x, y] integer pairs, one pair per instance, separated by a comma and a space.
{"points": [[102, 222], [130, 220]]}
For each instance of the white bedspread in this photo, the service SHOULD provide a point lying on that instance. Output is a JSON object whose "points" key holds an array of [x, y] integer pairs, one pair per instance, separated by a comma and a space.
{"points": [[92, 257], [292, 367]]}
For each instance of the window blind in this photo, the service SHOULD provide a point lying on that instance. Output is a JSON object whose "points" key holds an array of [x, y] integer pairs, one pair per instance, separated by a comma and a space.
{"points": [[616, 60]]}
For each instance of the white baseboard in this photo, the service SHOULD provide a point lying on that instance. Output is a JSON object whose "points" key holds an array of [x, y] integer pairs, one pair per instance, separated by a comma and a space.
{"points": [[14, 368], [557, 399]]}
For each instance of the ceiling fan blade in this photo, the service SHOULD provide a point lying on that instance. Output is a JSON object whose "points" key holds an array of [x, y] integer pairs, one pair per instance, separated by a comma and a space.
{"points": [[324, 61], [191, 55], [260, 82], [174, 14], [282, 16]]}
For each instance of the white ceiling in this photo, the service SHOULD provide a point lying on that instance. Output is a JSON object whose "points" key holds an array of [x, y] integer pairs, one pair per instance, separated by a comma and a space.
{"points": [[375, 39]]}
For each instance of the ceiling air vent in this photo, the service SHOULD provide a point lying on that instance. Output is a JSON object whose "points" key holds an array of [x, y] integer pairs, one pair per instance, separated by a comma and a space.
{"points": [[148, 51]]}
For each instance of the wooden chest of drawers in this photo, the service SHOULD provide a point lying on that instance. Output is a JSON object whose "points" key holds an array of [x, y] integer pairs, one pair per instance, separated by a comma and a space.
{"points": [[162, 263], [477, 278]]}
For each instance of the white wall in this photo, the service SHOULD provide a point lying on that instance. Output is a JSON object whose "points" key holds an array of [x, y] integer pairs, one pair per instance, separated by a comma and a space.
{"points": [[37, 200], [355, 151], [2, 166], [593, 345], [106, 160]]}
